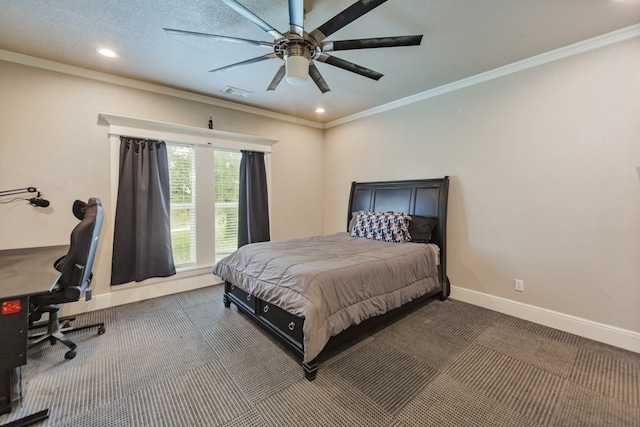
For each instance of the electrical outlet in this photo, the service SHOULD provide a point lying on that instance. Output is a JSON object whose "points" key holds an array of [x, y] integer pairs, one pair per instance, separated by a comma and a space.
{"points": [[519, 285]]}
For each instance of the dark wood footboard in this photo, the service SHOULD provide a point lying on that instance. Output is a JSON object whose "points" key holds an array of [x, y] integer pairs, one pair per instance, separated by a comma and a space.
{"points": [[283, 325], [288, 328]]}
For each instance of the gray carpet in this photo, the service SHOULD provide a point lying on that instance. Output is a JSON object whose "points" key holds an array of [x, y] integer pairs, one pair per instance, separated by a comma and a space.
{"points": [[185, 360]]}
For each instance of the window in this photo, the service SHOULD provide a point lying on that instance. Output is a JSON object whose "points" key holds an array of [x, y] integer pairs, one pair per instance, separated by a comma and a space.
{"points": [[205, 231], [204, 168]]}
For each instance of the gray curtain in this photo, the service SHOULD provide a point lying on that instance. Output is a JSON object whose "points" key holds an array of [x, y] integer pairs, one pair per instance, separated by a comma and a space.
{"points": [[253, 203], [142, 229]]}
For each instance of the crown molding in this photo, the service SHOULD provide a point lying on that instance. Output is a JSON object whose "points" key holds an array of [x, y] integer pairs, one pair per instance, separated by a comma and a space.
{"points": [[544, 58], [46, 64], [607, 39]]}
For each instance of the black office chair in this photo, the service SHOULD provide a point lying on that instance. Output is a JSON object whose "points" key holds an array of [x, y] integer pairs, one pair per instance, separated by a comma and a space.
{"points": [[75, 268]]}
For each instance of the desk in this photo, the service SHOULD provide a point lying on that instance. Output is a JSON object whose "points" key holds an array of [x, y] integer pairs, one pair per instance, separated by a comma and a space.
{"points": [[23, 273]]}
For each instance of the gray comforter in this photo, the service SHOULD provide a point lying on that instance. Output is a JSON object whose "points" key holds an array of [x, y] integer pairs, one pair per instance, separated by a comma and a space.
{"points": [[333, 281]]}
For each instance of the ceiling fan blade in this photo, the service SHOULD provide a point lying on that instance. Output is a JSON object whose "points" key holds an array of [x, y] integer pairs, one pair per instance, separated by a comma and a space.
{"points": [[345, 17], [277, 78], [296, 17], [376, 42], [233, 4], [217, 37], [248, 61], [349, 66], [317, 78]]}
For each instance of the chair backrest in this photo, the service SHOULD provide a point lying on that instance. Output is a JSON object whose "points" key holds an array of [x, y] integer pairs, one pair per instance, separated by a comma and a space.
{"points": [[76, 265]]}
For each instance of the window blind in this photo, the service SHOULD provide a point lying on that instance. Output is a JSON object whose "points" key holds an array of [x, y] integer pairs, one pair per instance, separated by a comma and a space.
{"points": [[182, 183], [226, 186]]}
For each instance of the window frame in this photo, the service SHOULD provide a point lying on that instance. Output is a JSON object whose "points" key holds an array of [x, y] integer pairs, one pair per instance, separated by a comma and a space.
{"points": [[204, 207]]}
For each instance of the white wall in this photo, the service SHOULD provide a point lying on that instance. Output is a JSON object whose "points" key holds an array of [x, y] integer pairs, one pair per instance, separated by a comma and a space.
{"points": [[544, 166], [50, 138], [545, 180]]}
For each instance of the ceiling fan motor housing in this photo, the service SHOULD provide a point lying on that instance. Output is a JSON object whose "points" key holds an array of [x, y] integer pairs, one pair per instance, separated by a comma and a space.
{"points": [[297, 53]]}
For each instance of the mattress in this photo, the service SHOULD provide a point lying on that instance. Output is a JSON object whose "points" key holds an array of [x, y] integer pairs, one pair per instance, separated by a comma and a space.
{"points": [[332, 281]]}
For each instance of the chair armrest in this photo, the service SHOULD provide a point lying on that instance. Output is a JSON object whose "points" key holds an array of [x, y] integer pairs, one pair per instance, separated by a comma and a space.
{"points": [[73, 293]]}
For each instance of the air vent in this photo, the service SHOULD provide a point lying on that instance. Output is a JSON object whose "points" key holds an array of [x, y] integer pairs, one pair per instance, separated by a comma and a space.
{"points": [[236, 92]]}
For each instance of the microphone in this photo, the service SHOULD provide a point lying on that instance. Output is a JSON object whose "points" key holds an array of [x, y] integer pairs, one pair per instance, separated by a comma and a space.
{"points": [[35, 201]]}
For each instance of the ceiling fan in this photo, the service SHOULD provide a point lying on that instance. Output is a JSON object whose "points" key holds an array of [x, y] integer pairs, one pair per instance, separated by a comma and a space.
{"points": [[299, 49]]}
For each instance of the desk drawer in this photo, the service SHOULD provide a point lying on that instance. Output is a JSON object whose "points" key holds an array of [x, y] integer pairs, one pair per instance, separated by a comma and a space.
{"points": [[286, 322], [247, 300], [13, 328]]}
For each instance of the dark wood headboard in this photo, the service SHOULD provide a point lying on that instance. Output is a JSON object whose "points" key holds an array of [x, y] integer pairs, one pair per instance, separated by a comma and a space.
{"points": [[425, 197]]}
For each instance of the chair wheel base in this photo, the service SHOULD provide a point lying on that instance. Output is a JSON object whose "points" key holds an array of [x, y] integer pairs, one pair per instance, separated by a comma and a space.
{"points": [[70, 354], [101, 330]]}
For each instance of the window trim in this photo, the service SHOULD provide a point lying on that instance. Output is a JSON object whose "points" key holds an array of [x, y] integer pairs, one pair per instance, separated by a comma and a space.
{"points": [[151, 129]]}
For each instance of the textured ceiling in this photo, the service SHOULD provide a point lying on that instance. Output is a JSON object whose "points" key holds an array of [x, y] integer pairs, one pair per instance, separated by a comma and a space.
{"points": [[462, 38]]}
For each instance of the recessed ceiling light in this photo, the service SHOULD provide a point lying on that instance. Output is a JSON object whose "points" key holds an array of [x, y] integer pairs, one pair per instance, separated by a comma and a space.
{"points": [[319, 110], [107, 52]]}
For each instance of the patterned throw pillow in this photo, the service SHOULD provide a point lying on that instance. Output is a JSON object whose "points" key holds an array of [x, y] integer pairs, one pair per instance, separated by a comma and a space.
{"points": [[383, 226]]}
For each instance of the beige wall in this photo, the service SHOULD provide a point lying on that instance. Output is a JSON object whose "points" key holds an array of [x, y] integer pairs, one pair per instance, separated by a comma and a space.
{"points": [[50, 138], [544, 166], [545, 180]]}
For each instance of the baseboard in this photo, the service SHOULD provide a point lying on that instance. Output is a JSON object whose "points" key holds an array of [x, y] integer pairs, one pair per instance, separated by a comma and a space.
{"points": [[152, 288], [607, 334]]}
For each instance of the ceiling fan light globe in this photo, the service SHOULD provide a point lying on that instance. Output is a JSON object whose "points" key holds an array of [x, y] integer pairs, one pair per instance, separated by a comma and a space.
{"points": [[297, 69], [296, 80]]}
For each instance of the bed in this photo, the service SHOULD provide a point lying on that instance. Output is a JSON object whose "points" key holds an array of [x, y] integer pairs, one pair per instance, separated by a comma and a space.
{"points": [[316, 293]]}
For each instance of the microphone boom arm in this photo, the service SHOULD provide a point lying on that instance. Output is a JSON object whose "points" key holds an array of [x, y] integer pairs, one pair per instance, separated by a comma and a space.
{"points": [[19, 191], [34, 201]]}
